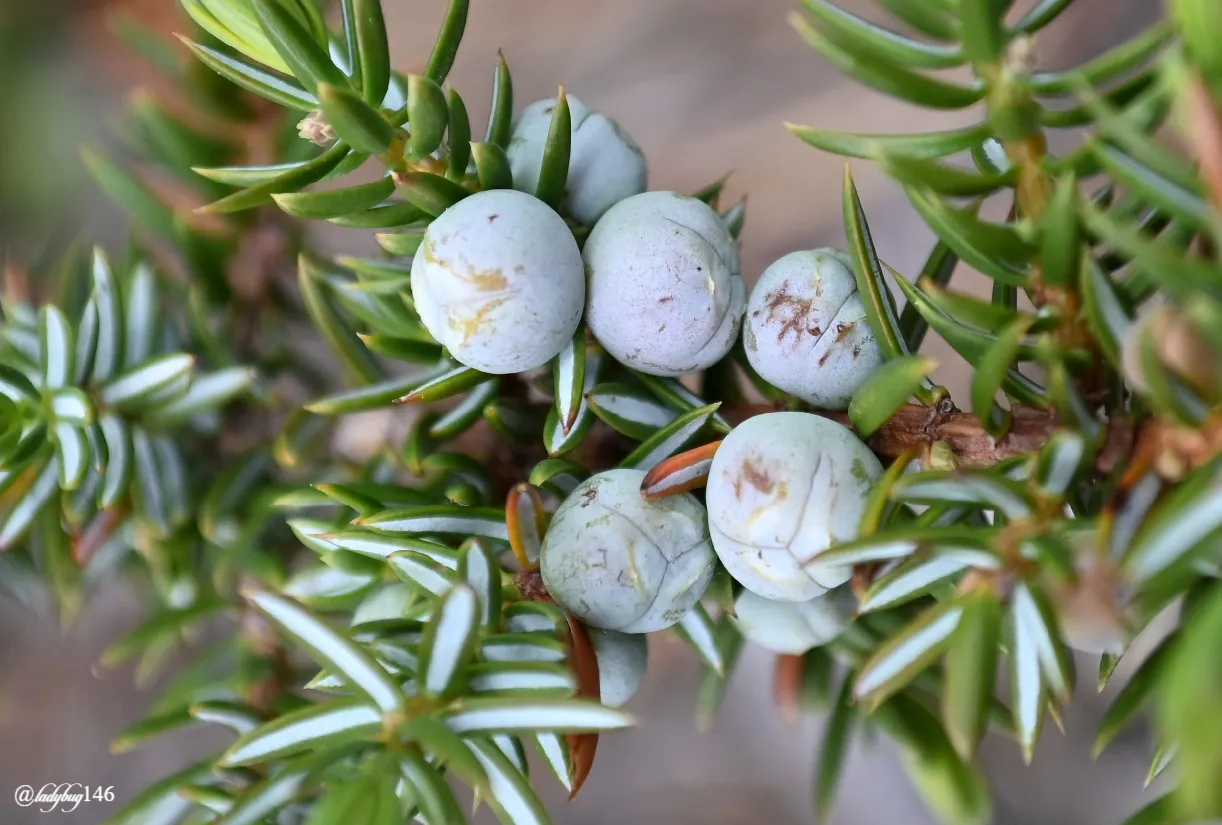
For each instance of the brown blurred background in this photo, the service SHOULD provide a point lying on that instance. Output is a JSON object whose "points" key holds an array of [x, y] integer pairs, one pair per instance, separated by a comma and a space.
{"points": [[703, 86]]}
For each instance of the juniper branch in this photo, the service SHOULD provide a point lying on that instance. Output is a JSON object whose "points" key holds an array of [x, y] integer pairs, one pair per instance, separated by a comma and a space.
{"points": [[916, 427]]}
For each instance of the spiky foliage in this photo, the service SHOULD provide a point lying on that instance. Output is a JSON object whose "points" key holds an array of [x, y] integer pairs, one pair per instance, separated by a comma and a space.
{"points": [[1107, 518], [1078, 499]]}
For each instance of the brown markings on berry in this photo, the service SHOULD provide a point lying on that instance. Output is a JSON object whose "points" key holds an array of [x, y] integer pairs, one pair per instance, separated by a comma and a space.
{"points": [[796, 309], [468, 326], [489, 280], [754, 475], [666, 300], [843, 330], [588, 495], [758, 478], [823, 358], [857, 351], [485, 280], [426, 250], [492, 218]]}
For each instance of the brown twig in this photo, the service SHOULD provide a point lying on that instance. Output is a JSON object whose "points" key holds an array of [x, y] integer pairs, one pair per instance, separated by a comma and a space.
{"points": [[915, 427], [912, 427]]}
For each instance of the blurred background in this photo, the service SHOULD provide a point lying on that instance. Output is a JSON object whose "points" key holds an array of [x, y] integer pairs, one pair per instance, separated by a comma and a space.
{"points": [[704, 86]]}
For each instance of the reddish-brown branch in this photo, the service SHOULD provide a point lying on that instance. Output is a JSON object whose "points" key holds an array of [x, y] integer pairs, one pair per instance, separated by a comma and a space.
{"points": [[912, 428], [915, 427]]}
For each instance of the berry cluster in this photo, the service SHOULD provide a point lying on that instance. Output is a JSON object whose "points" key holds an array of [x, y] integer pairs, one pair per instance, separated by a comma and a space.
{"points": [[498, 280]]}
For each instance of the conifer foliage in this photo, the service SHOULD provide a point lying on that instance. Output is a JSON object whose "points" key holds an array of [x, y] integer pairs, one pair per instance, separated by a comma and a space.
{"points": [[398, 624]]}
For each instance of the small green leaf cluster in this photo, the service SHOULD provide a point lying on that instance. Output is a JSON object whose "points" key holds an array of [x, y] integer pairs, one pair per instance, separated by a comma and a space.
{"points": [[100, 417], [444, 671]]}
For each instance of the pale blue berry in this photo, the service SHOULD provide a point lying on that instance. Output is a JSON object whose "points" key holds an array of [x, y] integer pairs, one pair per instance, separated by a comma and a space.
{"points": [[620, 562], [605, 164], [806, 330], [782, 488], [498, 281], [664, 293], [793, 627], [622, 658]]}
